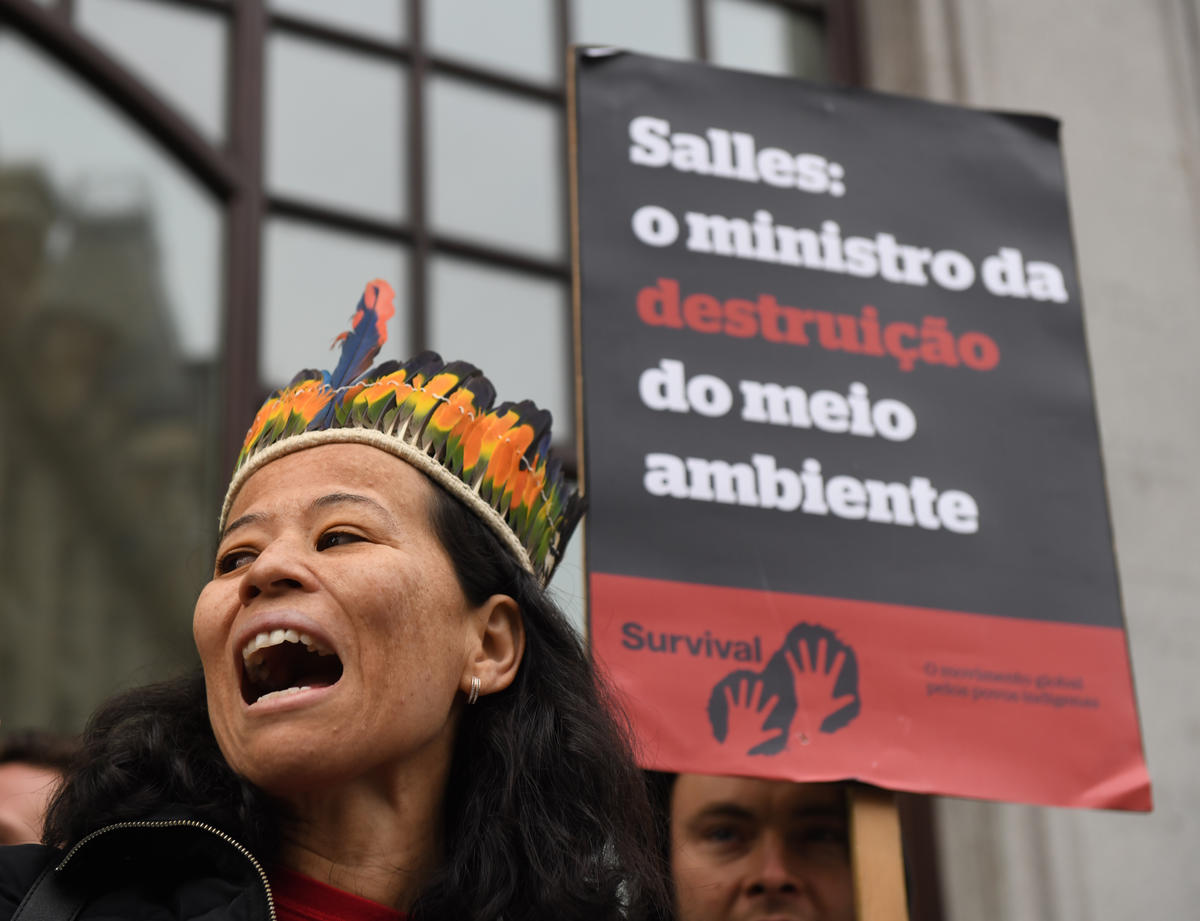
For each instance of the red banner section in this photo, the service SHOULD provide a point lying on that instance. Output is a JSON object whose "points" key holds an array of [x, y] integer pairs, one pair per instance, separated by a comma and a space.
{"points": [[803, 687]]}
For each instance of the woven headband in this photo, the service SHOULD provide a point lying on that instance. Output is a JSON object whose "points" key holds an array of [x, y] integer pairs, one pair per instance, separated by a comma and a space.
{"points": [[438, 417]]}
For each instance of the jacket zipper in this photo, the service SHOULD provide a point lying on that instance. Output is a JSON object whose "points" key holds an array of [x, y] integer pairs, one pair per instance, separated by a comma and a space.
{"points": [[176, 823]]}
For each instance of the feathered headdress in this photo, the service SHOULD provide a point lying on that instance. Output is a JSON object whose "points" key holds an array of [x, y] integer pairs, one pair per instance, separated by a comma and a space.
{"points": [[438, 416]]}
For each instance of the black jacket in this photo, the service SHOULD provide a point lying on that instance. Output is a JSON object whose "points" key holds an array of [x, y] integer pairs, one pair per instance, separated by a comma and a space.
{"points": [[169, 869]]}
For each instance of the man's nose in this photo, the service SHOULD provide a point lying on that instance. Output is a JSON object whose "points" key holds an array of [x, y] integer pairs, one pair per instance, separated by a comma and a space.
{"points": [[772, 872]]}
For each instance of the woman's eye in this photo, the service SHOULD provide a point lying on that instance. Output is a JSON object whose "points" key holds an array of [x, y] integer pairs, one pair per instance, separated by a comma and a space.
{"points": [[337, 539], [234, 559]]}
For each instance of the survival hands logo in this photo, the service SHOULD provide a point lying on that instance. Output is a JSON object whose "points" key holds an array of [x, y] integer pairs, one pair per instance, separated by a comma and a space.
{"points": [[809, 685]]}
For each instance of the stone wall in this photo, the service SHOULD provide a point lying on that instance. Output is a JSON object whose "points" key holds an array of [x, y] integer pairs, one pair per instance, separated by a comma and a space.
{"points": [[1125, 80]]}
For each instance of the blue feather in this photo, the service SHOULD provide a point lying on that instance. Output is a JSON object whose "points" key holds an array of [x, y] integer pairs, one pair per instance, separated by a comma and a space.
{"points": [[360, 344], [367, 335]]}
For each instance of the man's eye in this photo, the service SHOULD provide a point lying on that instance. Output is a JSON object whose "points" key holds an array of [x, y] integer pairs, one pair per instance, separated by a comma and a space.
{"points": [[824, 835], [235, 559], [722, 834], [337, 539]]}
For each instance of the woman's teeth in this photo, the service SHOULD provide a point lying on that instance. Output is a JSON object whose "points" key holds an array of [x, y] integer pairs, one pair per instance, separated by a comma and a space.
{"points": [[286, 661], [266, 640], [286, 692]]}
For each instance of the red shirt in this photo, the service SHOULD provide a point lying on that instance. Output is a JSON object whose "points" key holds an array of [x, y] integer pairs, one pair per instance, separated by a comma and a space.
{"points": [[301, 898]]}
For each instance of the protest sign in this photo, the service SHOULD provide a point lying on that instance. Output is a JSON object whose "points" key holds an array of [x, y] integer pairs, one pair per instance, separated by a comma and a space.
{"points": [[847, 515]]}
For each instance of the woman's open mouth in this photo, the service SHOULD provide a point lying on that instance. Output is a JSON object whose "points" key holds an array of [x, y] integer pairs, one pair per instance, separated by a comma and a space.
{"points": [[285, 662]]}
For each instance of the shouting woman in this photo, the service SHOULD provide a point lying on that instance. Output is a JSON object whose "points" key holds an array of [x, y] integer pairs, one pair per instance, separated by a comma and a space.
{"points": [[393, 719]]}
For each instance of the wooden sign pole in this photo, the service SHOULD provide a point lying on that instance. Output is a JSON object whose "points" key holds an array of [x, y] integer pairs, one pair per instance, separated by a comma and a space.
{"points": [[876, 855]]}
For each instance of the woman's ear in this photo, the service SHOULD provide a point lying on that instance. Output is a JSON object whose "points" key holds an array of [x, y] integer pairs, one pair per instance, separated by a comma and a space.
{"points": [[496, 657]]}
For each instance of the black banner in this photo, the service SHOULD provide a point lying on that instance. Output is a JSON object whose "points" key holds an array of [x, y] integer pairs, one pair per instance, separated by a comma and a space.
{"points": [[908, 267]]}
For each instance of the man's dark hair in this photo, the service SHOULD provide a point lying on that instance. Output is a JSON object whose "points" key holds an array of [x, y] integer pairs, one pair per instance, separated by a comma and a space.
{"points": [[659, 787], [39, 747]]}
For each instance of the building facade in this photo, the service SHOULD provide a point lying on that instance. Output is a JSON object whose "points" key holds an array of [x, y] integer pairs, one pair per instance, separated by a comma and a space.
{"points": [[193, 191], [1125, 80]]}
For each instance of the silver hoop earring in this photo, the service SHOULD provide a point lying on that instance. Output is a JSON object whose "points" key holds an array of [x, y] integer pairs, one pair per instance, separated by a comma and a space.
{"points": [[474, 695]]}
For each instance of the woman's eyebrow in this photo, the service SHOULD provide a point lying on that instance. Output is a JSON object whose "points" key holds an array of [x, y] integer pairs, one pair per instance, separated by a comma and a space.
{"points": [[251, 518], [343, 498], [335, 498]]}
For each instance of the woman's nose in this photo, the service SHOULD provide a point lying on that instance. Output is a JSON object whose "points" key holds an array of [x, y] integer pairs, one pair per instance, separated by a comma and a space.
{"points": [[276, 569]]}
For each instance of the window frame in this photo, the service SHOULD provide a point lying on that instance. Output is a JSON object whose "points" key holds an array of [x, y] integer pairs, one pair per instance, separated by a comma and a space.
{"points": [[233, 173]]}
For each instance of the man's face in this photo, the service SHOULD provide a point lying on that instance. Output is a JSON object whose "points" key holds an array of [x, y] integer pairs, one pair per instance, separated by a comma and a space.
{"points": [[25, 792], [759, 850]]}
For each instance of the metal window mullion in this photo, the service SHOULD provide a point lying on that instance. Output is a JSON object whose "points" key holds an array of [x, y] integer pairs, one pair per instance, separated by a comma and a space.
{"points": [[842, 42], [563, 33], [700, 39], [392, 51], [47, 29], [219, 7], [332, 35], [418, 220], [818, 7], [563, 26], [398, 232], [243, 260], [516, 86], [353, 222], [481, 252]]}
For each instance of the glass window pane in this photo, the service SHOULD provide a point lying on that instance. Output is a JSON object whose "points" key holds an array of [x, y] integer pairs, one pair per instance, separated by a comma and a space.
{"points": [[110, 273], [181, 53], [568, 588], [662, 27], [514, 327], [382, 19], [752, 35], [496, 168], [312, 280], [334, 128], [517, 36]]}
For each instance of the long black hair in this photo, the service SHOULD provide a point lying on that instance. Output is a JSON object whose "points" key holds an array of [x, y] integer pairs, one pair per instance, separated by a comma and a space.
{"points": [[151, 750], [546, 815]]}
